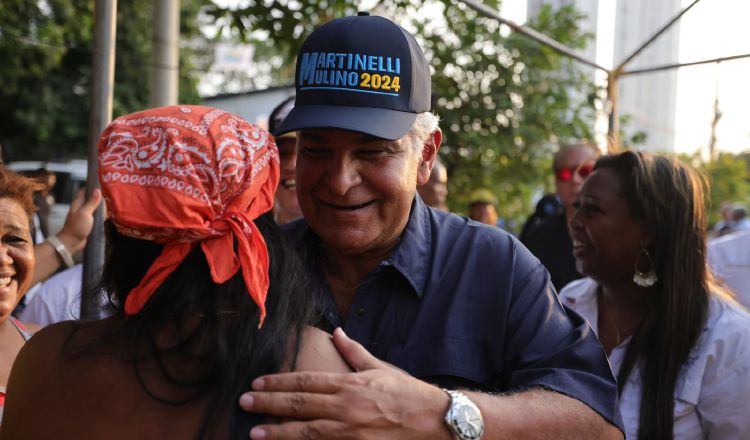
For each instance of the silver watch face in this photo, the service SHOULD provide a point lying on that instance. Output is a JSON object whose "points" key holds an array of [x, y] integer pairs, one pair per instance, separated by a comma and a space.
{"points": [[468, 422]]}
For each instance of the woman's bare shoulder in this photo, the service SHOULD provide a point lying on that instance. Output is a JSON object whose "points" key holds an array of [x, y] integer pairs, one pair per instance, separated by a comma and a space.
{"points": [[46, 342], [317, 353], [34, 371], [42, 357]]}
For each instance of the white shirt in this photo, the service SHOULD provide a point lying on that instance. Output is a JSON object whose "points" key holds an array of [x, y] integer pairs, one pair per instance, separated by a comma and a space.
{"points": [[713, 388], [58, 299], [742, 225], [729, 257]]}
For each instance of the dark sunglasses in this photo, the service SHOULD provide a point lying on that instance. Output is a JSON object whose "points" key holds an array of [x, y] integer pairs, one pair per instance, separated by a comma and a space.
{"points": [[566, 174]]}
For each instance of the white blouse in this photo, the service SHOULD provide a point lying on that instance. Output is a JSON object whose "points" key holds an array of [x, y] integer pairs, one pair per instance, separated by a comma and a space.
{"points": [[713, 388]]}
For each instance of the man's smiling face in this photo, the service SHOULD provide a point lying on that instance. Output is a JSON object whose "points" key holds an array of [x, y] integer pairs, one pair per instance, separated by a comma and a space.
{"points": [[356, 190]]}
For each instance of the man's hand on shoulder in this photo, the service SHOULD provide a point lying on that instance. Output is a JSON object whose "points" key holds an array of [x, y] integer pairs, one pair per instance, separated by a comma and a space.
{"points": [[377, 401]]}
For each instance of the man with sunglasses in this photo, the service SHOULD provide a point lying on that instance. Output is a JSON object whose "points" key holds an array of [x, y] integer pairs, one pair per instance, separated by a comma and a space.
{"points": [[549, 241]]}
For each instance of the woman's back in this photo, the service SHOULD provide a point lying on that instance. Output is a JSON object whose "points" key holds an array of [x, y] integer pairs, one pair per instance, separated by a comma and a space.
{"points": [[97, 394], [92, 395]]}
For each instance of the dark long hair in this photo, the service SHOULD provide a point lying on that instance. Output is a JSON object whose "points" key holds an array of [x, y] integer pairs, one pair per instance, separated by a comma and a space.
{"points": [[215, 347], [669, 196]]}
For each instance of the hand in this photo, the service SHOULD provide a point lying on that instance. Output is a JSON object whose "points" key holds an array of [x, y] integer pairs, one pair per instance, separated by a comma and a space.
{"points": [[378, 401], [80, 220]]}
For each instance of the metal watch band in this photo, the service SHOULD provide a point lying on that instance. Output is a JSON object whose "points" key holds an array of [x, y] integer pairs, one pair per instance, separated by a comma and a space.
{"points": [[463, 417], [62, 251]]}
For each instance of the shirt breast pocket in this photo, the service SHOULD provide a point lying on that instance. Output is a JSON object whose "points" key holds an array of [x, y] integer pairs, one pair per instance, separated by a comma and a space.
{"points": [[466, 361], [687, 424]]}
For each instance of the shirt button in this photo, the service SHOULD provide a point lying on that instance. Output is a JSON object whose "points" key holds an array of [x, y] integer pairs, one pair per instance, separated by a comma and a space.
{"points": [[361, 312]]}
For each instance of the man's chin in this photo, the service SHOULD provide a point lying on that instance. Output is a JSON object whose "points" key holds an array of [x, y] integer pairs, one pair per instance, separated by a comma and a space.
{"points": [[345, 242]]}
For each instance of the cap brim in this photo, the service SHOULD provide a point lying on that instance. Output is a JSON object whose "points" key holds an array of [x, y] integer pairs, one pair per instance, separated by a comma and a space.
{"points": [[378, 122]]}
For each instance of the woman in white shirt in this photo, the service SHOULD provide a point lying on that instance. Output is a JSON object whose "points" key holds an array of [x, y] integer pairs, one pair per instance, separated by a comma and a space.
{"points": [[679, 345]]}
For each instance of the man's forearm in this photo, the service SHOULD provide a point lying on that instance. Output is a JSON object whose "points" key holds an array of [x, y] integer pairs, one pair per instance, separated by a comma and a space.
{"points": [[540, 415]]}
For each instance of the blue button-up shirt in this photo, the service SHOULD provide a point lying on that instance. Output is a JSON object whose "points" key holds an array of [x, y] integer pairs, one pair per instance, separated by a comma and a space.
{"points": [[465, 305]]}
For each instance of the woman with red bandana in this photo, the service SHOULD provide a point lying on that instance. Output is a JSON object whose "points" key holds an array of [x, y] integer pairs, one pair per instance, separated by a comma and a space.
{"points": [[208, 295]]}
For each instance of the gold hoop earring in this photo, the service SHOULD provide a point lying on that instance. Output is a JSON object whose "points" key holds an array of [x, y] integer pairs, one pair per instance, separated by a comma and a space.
{"points": [[646, 278]]}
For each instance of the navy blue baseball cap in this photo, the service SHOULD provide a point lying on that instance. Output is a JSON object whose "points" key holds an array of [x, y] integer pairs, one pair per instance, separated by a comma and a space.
{"points": [[364, 74]]}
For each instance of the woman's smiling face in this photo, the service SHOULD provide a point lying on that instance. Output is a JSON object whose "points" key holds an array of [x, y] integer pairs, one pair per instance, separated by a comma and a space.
{"points": [[607, 238], [16, 255]]}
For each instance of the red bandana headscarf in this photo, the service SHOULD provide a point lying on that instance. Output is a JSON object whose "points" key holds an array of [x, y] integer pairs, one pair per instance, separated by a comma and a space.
{"points": [[183, 175]]}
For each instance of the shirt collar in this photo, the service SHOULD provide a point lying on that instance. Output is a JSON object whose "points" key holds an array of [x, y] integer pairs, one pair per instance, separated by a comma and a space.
{"points": [[581, 291], [412, 255]]}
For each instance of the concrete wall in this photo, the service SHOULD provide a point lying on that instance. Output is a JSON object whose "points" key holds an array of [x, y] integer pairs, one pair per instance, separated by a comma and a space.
{"points": [[255, 106]]}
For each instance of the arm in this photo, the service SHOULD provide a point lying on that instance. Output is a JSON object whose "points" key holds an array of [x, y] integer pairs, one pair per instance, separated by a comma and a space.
{"points": [[317, 353], [380, 401], [73, 235], [725, 383], [554, 416]]}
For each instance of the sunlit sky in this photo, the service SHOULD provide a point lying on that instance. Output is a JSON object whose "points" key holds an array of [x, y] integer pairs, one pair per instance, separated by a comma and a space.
{"points": [[711, 29]]}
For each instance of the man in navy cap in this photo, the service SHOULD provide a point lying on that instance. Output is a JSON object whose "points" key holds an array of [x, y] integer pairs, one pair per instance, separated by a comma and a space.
{"points": [[482, 345]]}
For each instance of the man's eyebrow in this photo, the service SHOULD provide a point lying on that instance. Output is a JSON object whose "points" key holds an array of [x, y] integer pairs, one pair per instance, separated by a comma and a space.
{"points": [[310, 136], [368, 139], [361, 138]]}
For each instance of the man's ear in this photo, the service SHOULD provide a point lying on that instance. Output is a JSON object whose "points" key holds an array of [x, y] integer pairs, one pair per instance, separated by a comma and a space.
{"points": [[429, 155]]}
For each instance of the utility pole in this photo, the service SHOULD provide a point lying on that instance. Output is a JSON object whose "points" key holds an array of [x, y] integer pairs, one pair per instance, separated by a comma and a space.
{"points": [[102, 88], [716, 118], [613, 104], [165, 60]]}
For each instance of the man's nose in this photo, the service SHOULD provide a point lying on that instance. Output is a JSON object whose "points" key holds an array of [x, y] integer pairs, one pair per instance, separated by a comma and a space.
{"points": [[343, 174]]}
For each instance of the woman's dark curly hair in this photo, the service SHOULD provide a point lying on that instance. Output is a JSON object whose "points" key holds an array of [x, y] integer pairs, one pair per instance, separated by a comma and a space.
{"points": [[216, 348]]}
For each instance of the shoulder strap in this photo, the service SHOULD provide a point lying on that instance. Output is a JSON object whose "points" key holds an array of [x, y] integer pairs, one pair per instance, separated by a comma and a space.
{"points": [[25, 333]]}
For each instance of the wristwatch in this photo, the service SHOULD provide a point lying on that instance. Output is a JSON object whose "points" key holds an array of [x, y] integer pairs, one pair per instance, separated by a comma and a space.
{"points": [[463, 417]]}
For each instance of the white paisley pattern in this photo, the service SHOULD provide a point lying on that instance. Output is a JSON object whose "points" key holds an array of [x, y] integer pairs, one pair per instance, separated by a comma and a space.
{"points": [[172, 155]]}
